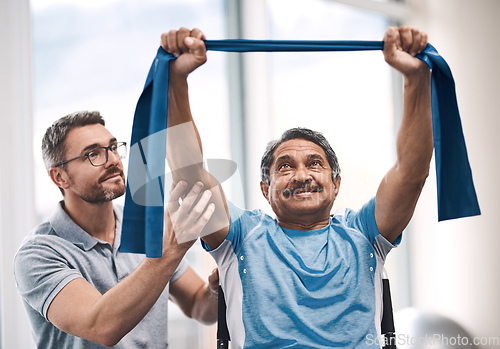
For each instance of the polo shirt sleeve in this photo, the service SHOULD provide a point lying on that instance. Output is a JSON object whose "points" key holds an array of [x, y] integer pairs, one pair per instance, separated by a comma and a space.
{"points": [[181, 269], [41, 273]]}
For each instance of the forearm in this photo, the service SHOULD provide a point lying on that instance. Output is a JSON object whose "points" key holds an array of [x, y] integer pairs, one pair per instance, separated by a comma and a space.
{"points": [[398, 193], [184, 149], [120, 309], [414, 142], [185, 157], [205, 306]]}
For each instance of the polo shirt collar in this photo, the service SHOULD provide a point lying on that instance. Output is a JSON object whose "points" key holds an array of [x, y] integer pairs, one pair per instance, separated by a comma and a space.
{"points": [[67, 229]]}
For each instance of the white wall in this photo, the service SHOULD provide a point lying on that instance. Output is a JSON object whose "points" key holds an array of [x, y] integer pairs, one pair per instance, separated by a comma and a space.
{"points": [[16, 160], [454, 264]]}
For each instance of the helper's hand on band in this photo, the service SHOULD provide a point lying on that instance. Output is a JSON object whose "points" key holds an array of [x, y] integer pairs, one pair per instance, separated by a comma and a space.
{"points": [[189, 48], [400, 47]]}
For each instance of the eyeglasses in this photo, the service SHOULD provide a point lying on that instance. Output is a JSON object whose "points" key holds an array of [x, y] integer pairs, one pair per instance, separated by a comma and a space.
{"points": [[99, 156]]}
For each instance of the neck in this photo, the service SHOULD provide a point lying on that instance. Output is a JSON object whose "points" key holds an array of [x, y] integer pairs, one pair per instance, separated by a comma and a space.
{"points": [[97, 220], [304, 225]]}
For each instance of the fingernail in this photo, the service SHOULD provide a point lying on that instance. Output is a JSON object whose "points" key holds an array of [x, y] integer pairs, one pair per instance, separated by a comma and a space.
{"points": [[199, 185], [189, 41]]}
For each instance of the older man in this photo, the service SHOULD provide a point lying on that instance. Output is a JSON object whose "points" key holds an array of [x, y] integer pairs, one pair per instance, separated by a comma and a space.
{"points": [[306, 279]]}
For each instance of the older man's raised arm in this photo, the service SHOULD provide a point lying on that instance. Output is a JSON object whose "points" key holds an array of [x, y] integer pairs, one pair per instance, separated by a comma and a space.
{"points": [[400, 189], [184, 148]]}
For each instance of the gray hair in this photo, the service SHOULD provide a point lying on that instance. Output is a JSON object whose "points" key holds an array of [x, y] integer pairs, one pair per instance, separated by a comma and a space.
{"points": [[298, 133], [53, 142]]}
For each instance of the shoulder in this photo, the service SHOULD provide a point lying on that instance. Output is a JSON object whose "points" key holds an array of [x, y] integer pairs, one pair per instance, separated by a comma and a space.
{"points": [[244, 224], [43, 234], [362, 220], [241, 218], [47, 241], [42, 243]]}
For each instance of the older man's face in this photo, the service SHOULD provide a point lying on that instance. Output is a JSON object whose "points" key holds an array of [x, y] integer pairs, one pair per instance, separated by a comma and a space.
{"points": [[301, 186]]}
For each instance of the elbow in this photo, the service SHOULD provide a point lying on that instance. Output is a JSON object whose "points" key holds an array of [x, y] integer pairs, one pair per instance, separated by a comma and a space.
{"points": [[203, 316], [209, 318], [204, 310], [414, 175], [107, 341], [421, 177], [107, 336]]}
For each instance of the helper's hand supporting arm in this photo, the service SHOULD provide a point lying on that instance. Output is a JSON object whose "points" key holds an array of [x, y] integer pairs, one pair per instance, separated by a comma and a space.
{"points": [[198, 300], [81, 310], [399, 191], [184, 149]]}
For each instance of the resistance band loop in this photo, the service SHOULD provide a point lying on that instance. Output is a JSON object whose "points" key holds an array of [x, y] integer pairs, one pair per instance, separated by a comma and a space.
{"points": [[142, 226]]}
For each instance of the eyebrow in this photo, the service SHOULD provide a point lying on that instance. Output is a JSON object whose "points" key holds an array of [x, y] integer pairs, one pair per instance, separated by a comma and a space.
{"points": [[96, 145], [283, 158], [309, 157], [315, 157]]}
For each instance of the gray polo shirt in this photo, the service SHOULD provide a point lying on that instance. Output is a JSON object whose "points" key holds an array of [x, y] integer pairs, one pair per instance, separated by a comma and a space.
{"points": [[59, 251]]}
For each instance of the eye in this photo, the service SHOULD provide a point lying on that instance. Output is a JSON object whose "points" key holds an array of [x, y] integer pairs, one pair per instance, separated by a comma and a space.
{"points": [[316, 163], [113, 147], [96, 153], [93, 154], [284, 167]]}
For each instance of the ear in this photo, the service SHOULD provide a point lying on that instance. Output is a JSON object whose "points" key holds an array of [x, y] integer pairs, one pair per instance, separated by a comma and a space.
{"points": [[264, 188], [59, 177], [336, 185]]}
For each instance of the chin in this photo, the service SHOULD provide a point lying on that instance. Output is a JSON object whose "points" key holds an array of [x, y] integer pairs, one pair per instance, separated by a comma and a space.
{"points": [[110, 195]]}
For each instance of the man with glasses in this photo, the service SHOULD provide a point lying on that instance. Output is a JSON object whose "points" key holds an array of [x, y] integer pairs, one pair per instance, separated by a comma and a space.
{"points": [[78, 289]]}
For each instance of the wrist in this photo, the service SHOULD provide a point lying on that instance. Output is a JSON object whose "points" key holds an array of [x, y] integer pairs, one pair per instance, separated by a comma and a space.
{"points": [[213, 292], [418, 77], [171, 256]]}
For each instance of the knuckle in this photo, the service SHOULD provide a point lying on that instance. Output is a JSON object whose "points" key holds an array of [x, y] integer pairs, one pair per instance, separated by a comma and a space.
{"points": [[203, 220], [197, 210], [197, 33]]}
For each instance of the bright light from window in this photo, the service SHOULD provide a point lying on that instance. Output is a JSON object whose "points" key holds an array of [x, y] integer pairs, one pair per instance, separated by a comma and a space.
{"points": [[345, 95]]}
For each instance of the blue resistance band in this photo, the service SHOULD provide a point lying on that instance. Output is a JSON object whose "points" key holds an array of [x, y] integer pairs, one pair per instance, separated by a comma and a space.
{"points": [[142, 226]]}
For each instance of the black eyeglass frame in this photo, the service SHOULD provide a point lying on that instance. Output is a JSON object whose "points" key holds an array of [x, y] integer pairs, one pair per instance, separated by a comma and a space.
{"points": [[108, 149]]}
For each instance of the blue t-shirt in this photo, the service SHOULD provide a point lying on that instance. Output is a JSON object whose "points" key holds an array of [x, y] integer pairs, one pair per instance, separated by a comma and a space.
{"points": [[302, 289]]}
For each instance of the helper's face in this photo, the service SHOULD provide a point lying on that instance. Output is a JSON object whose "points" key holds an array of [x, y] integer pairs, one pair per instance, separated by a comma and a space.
{"points": [[301, 185], [90, 183]]}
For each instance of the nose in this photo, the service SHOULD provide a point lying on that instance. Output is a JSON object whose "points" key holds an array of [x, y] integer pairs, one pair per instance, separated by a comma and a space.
{"points": [[302, 175], [113, 158]]}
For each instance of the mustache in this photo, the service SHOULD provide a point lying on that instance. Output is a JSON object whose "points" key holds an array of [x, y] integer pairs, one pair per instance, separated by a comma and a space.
{"points": [[304, 187], [110, 173]]}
